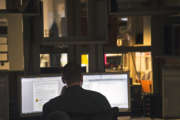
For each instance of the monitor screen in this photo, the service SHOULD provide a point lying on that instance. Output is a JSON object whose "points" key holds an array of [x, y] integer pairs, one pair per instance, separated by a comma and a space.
{"points": [[113, 86], [36, 91]]}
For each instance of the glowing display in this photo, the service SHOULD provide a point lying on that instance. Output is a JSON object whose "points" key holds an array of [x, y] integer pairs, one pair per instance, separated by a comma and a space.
{"points": [[36, 91], [113, 86]]}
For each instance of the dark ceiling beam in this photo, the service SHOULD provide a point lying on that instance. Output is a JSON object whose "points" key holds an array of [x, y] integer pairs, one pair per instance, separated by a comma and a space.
{"points": [[49, 49], [156, 7], [27, 7], [3, 12], [12, 4], [145, 12], [174, 19], [156, 3], [72, 41], [114, 49]]}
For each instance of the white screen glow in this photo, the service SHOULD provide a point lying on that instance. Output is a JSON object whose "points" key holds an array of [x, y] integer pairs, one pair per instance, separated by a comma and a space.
{"points": [[36, 91], [114, 87]]}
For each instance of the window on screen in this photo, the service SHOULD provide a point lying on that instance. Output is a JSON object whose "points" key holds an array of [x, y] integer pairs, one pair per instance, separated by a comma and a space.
{"points": [[113, 87], [36, 91]]}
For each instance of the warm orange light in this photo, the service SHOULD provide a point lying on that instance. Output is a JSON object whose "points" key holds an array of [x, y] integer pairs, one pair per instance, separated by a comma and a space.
{"points": [[146, 86], [119, 42]]}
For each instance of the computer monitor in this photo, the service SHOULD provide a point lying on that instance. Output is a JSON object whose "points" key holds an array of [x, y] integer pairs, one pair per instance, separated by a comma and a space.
{"points": [[113, 86], [35, 91]]}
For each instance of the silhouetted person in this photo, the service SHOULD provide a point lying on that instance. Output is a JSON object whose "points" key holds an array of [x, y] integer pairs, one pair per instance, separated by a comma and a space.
{"points": [[54, 33], [78, 103], [58, 115]]}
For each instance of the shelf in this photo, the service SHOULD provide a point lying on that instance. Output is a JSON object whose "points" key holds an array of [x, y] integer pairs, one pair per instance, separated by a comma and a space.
{"points": [[1, 35], [4, 12], [145, 12]]}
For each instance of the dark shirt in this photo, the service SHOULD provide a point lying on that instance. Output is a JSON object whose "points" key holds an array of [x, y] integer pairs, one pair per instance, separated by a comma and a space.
{"points": [[78, 101]]}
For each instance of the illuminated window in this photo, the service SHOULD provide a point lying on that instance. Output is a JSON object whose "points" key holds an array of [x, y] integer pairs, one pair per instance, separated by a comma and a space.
{"points": [[54, 18], [124, 19], [44, 60], [134, 31], [143, 64], [63, 59], [85, 61], [2, 4], [143, 70], [113, 62], [139, 65]]}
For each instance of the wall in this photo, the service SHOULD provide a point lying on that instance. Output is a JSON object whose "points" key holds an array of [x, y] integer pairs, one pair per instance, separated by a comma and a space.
{"points": [[2, 4], [15, 41]]}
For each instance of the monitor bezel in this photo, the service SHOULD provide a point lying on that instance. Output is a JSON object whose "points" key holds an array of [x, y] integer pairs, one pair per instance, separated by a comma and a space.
{"points": [[19, 87], [129, 93]]}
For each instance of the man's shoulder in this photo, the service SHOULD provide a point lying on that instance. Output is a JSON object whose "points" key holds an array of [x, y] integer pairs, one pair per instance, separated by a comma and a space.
{"points": [[100, 100], [52, 102], [94, 94]]}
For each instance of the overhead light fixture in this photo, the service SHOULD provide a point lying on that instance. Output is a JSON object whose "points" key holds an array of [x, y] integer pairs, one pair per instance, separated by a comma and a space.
{"points": [[119, 42], [124, 19]]}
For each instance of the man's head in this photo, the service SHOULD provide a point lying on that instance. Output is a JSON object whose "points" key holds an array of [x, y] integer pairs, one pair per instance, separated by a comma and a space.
{"points": [[72, 74]]}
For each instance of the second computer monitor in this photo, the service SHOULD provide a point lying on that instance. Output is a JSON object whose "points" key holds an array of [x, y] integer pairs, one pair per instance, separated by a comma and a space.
{"points": [[113, 86]]}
